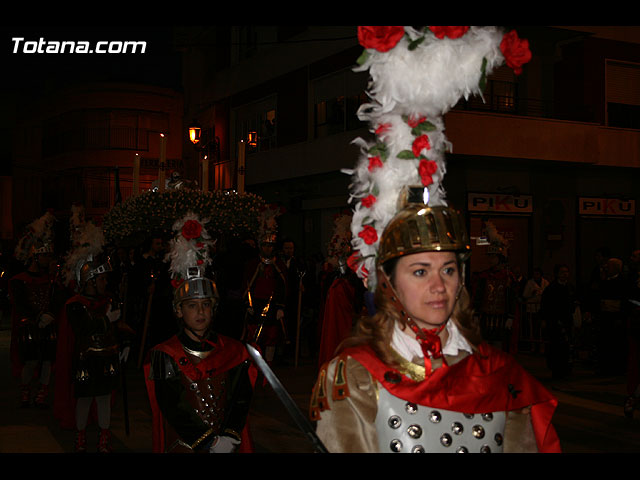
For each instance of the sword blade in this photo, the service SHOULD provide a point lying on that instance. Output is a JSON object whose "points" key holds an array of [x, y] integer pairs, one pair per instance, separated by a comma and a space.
{"points": [[298, 417]]}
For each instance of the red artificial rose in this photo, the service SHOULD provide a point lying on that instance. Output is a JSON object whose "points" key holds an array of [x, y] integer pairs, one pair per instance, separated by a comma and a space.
{"points": [[383, 128], [352, 261], [374, 162], [515, 50], [451, 32], [368, 201], [369, 235], [414, 122], [420, 144], [176, 282], [191, 229], [426, 169], [380, 38]]}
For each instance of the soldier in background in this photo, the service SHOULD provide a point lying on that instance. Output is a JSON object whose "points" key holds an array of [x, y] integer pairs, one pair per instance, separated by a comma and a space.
{"points": [[36, 299], [89, 356]]}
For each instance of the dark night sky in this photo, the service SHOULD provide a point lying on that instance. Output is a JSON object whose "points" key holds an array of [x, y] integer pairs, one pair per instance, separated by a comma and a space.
{"points": [[24, 77], [158, 65]]}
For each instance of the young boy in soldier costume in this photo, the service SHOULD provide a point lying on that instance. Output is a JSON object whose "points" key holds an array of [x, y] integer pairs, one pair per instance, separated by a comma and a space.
{"points": [[199, 383]]}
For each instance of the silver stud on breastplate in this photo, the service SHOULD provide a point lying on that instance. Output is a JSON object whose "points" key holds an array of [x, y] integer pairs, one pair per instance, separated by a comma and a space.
{"points": [[408, 427], [457, 428], [395, 421], [477, 431], [414, 431]]}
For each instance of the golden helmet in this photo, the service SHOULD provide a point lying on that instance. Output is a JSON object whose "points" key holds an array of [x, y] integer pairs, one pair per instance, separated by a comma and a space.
{"points": [[418, 227]]}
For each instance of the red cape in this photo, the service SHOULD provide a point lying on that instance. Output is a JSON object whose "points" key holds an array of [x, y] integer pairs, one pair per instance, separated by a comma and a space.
{"points": [[228, 354], [338, 317], [488, 381], [64, 399]]}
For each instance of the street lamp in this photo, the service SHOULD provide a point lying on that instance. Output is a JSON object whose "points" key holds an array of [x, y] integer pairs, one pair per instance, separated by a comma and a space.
{"points": [[206, 143], [195, 131], [252, 139]]}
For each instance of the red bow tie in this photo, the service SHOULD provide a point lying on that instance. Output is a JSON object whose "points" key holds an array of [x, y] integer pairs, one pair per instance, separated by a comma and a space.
{"points": [[429, 340]]}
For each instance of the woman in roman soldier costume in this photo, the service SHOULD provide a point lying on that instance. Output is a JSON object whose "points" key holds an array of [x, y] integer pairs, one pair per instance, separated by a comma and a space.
{"points": [[417, 376], [199, 383]]}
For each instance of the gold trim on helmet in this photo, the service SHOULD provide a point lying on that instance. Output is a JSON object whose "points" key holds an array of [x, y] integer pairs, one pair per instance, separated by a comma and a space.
{"points": [[420, 228]]}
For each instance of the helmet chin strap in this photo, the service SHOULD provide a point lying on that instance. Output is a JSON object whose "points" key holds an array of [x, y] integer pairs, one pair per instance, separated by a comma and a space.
{"points": [[429, 339]]}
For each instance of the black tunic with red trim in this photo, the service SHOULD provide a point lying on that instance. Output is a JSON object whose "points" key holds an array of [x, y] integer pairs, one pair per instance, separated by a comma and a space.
{"points": [[197, 391], [87, 356]]}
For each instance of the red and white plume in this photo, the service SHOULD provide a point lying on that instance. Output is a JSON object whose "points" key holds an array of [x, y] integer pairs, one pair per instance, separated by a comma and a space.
{"points": [[416, 76]]}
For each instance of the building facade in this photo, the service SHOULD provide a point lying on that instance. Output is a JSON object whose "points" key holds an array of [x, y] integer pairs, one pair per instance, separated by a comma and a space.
{"points": [[550, 157]]}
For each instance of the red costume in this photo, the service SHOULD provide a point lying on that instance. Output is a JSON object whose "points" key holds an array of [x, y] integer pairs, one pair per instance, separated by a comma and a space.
{"points": [[218, 368], [487, 381], [338, 317], [266, 284]]}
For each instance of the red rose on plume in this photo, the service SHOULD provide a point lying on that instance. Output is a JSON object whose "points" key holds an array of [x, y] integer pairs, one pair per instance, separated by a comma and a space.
{"points": [[384, 128], [515, 50], [380, 38], [426, 169], [369, 235], [368, 201], [420, 144], [176, 282], [191, 229], [374, 162], [451, 32], [352, 261], [415, 121]]}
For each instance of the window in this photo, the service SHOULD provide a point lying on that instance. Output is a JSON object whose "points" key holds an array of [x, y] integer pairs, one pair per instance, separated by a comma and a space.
{"points": [[337, 98], [499, 95], [623, 116], [259, 117], [622, 91]]}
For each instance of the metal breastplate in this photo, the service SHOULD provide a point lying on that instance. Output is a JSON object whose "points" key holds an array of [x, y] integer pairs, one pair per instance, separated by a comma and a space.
{"points": [[405, 427], [208, 397]]}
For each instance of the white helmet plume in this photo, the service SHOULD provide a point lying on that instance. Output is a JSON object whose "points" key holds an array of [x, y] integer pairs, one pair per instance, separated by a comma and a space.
{"points": [[417, 75]]}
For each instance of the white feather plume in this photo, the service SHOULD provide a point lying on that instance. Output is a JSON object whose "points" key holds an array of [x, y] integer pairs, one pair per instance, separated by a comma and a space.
{"points": [[40, 231], [185, 253], [88, 244], [406, 85]]}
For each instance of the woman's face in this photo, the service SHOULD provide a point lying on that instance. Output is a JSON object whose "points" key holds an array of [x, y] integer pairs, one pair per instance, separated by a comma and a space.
{"points": [[427, 284], [197, 314]]}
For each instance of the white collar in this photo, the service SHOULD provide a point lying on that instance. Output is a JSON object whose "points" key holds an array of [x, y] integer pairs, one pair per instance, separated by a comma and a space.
{"points": [[409, 347]]}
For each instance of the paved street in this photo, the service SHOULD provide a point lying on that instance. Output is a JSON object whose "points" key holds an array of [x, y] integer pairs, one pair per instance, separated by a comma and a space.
{"points": [[589, 418]]}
